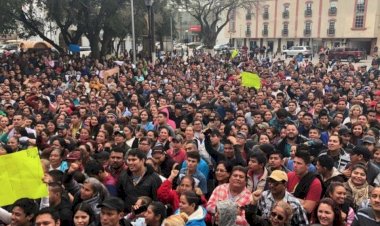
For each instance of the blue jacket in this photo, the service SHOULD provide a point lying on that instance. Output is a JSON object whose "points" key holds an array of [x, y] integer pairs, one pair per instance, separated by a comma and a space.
{"points": [[197, 218]]}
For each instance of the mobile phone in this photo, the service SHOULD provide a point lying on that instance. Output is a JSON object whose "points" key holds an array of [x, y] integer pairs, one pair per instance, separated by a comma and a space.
{"points": [[141, 209], [178, 167]]}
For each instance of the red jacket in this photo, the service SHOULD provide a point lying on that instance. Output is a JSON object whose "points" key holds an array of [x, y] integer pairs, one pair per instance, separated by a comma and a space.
{"points": [[167, 195]]}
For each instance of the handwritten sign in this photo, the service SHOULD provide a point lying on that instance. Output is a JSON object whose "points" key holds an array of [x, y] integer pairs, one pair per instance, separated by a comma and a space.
{"points": [[21, 176]]}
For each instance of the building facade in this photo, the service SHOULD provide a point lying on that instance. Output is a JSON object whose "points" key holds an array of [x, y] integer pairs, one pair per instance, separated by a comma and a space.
{"points": [[280, 24]]}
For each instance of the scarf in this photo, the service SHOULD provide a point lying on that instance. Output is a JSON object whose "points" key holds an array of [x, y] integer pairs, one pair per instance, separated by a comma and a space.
{"points": [[359, 193]]}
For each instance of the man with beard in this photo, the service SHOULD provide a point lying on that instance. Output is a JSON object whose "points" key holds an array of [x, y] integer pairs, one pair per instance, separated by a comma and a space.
{"points": [[116, 163], [292, 138]]}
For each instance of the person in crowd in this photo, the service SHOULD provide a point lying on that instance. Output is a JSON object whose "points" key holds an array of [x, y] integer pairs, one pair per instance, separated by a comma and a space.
{"points": [[369, 216], [192, 160], [337, 192], [84, 215], [139, 180], [302, 184], [357, 187], [235, 189], [280, 215], [190, 204], [176, 220], [112, 212], [47, 216], [327, 172], [334, 149], [155, 214], [23, 212], [328, 213]]}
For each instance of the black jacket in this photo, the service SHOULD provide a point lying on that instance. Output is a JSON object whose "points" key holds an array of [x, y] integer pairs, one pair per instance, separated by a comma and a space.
{"points": [[147, 186], [281, 146]]}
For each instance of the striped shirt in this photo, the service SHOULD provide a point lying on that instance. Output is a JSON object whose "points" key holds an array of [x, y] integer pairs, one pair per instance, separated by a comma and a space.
{"points": [[267, 201]]}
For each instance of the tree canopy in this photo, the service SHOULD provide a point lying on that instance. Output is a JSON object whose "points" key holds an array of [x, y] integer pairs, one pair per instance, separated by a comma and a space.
{"points": [[101, 21], [213, 15]]}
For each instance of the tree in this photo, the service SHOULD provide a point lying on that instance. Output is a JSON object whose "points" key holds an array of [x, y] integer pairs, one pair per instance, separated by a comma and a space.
{"points": [[213, 15]]}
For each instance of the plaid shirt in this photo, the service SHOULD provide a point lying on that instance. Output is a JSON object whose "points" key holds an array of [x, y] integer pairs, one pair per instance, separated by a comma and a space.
{"points": [[267, 201], [222, 192]]}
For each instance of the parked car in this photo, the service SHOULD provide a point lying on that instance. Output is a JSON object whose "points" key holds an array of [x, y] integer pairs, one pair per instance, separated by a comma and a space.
{"points": [[296, 50], [222, 47], [345, 53]]}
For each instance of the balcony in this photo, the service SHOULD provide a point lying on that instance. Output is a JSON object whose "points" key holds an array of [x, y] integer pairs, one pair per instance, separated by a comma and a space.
{"points": [[307, 32], [265, 32], [248, 17], [333, 11], [308, 13], [266, 16], [285, 32], [285, 15], [247, 33], [330, 31]]}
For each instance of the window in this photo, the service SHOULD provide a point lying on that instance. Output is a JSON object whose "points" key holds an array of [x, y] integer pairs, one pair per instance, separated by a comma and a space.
{"points": [[265, 30], [248, 15], [248, 31], [285, 13], [307, 28], [359, 14], [308, 10], [332, 24], [332, 9], [285, 30], [232, 22], [266, 12]]}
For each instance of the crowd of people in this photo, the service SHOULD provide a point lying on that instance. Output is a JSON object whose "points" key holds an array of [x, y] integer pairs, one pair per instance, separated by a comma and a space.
{"points": [[181, 142]]}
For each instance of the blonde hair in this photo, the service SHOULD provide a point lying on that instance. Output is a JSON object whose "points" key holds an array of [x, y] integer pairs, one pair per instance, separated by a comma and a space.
{"points": [[287, 209], [176, 220]]}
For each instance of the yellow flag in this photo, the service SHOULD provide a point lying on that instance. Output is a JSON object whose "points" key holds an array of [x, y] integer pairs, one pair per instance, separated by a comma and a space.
{"points": [[21, 176], [250, 79], [234, 53]]}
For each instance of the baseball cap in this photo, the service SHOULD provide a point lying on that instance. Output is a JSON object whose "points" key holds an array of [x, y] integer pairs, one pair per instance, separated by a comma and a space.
{"points": [[279, 175], [62, 126], [369, 139], [158, 149], [344, 131], [113, 203], [215, 132], [361, 150], [121, 133]]}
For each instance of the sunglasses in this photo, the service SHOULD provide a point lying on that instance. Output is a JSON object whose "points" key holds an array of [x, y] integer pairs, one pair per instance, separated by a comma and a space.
{"points": [[278, 216]]}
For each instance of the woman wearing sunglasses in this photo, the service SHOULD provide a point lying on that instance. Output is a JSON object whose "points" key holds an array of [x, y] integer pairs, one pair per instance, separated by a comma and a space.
{"points": [[280, 215]]}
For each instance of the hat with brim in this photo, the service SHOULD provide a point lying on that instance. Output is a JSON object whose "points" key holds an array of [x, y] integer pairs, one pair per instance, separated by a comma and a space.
{"points": [[113, 203], [279, 176]]}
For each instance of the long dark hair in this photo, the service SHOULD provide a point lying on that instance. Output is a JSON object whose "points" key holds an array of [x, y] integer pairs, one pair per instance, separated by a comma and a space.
{"points": [[338, 221], [87, 209]]}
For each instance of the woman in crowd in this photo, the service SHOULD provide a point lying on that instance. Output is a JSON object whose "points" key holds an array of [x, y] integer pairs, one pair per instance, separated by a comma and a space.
{"points": [[280, 215], [357, 133], [328, 214], [155, 214], [337, 192], [168, 195], [84, 215], [190, 204], [56, 160], [357, 187]]}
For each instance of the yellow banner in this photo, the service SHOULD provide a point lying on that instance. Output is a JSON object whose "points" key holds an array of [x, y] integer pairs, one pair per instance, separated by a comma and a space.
{"points": [[249, 79], [234, 53], [21, 176]]}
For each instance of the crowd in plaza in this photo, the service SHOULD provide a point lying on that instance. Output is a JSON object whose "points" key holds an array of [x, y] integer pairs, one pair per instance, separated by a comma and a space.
{"points": [[181, 142]]}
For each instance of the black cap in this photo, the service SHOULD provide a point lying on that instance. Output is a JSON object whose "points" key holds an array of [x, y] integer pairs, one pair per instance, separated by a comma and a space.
{"points": [[362, 150], [215, 132], [62, 126], [158, 149], [113, 203], [344, 131], [121, 133]]}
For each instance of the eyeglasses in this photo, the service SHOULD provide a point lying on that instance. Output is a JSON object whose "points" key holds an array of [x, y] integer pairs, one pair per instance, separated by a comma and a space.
{"points": [[220, 170], [144, 144], [278, 216]]}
